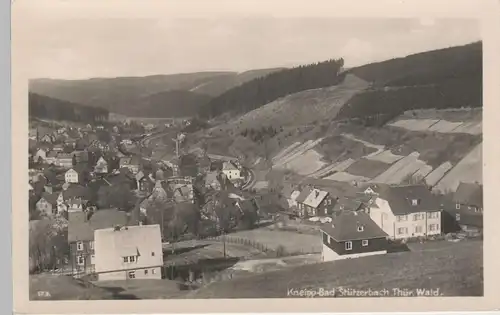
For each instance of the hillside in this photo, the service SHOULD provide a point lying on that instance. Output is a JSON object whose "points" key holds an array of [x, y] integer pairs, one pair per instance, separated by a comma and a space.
{"points": [[124, 94], [258, 92], [456, 269], [53, 109], [224, 83], [175, 103]]}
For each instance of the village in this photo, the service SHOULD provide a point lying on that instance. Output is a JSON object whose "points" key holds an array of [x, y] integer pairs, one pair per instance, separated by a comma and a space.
{"points": [[101, 207]]}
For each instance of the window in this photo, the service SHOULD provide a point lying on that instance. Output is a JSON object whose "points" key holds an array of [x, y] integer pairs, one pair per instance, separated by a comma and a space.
{"points": [[403, 230], [401, 218], [81, 260], [414, 202], [152, 253], [348, 245], [91, 244], [79, 245], [433, 227], [361, 228], [125, 259], [457, 216], [131, 274], [153, 271], [418, 229], [415, 217], [457, 206], [433, 215], [145, 271], [131, 258], [364, 243]]}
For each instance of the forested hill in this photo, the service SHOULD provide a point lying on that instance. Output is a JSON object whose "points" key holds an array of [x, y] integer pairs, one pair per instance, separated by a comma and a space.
{"points": [[50, 108], [258, 92], [445, 78]]}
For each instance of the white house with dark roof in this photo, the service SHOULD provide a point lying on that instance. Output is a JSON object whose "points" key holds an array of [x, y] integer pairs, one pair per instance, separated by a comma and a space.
{"points": [[406, 211], [352, 234], [231, 170], [129, 252]]}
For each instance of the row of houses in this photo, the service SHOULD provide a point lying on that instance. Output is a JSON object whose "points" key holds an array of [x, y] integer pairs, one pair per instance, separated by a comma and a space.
{"points": [[364, 223]]}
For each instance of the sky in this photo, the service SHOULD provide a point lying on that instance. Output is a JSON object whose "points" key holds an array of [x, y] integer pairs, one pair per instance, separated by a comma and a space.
{"points": [[77, 48]]}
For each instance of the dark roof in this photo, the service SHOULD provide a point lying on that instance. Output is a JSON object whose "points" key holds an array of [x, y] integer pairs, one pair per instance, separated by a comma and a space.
{"points": [[400, 199], [348, 204], [50, 198], [470, 194], [77, 191], [81, 230], [344, 227], [303, 194]]}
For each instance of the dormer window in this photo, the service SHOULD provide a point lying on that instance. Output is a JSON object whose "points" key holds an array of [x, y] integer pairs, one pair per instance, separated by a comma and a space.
{"points": [[457, 206], [361, 228], [414, 202]]}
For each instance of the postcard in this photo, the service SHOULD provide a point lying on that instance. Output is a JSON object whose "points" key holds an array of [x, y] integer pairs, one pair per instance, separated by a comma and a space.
{"points": [[236, 156]]}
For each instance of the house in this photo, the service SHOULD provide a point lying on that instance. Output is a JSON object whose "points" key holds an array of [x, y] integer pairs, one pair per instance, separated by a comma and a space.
{"points": [[231, 171], [212, 181], [40, 155], [352, 234], [101, 166], [406, 211], [314, 202], [465, 212], [64, 160], [132, 163], [469, 196], [58, 147], [81, 156], [132, 252], [74, 175], [47, 205], [50, 157], [145, 183], [47, 138], [81, 227]]}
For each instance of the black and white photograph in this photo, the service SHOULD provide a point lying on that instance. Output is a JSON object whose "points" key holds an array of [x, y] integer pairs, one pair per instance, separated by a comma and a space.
{"points": [[256, 157]]}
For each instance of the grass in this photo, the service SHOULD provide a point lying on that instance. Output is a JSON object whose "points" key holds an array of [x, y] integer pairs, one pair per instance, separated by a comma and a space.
{"points": [[65, 288], [455, 268], [367, 168]]}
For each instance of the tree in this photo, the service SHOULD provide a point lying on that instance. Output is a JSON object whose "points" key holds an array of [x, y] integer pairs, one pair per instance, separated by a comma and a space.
{"points": [[117, 196], [73, 160]]}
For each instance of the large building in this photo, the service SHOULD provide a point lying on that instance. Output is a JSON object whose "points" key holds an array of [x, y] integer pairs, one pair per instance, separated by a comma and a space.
{"points": [[128, 252]]}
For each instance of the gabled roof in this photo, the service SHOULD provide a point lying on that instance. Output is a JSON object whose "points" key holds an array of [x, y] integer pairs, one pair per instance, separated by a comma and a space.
{"points": [[229, 166], [81, 230], [303, 194], [315, 198], [400, 199], [52, 154], [344, 227], [76, 191], [348, 204], [470, 194], [294, 195], [50, 198]]}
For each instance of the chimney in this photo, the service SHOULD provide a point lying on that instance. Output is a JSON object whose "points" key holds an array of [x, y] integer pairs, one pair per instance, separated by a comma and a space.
{"points": [[316, 192]]}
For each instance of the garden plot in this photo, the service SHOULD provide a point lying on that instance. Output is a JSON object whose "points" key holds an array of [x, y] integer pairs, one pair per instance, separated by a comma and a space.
{"points": [[469, 169], [346, 177], [367, 168], [422, 172], [415, 124], [336, 167], [436, 175], [379, 148], [473, 128], [306, 163], [400, 170], [385, 156], [285, 151], [444, 126], [298, 151]]}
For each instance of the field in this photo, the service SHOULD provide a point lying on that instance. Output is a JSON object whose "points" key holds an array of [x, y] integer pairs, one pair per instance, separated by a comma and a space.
{"points": [[65, 288], [470, 169], [455, 268]]}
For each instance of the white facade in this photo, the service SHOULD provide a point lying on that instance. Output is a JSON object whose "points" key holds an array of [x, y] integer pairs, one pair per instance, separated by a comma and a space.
{"points": [[71, 176], [405, 226], [133, 252], [327, 254]]}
